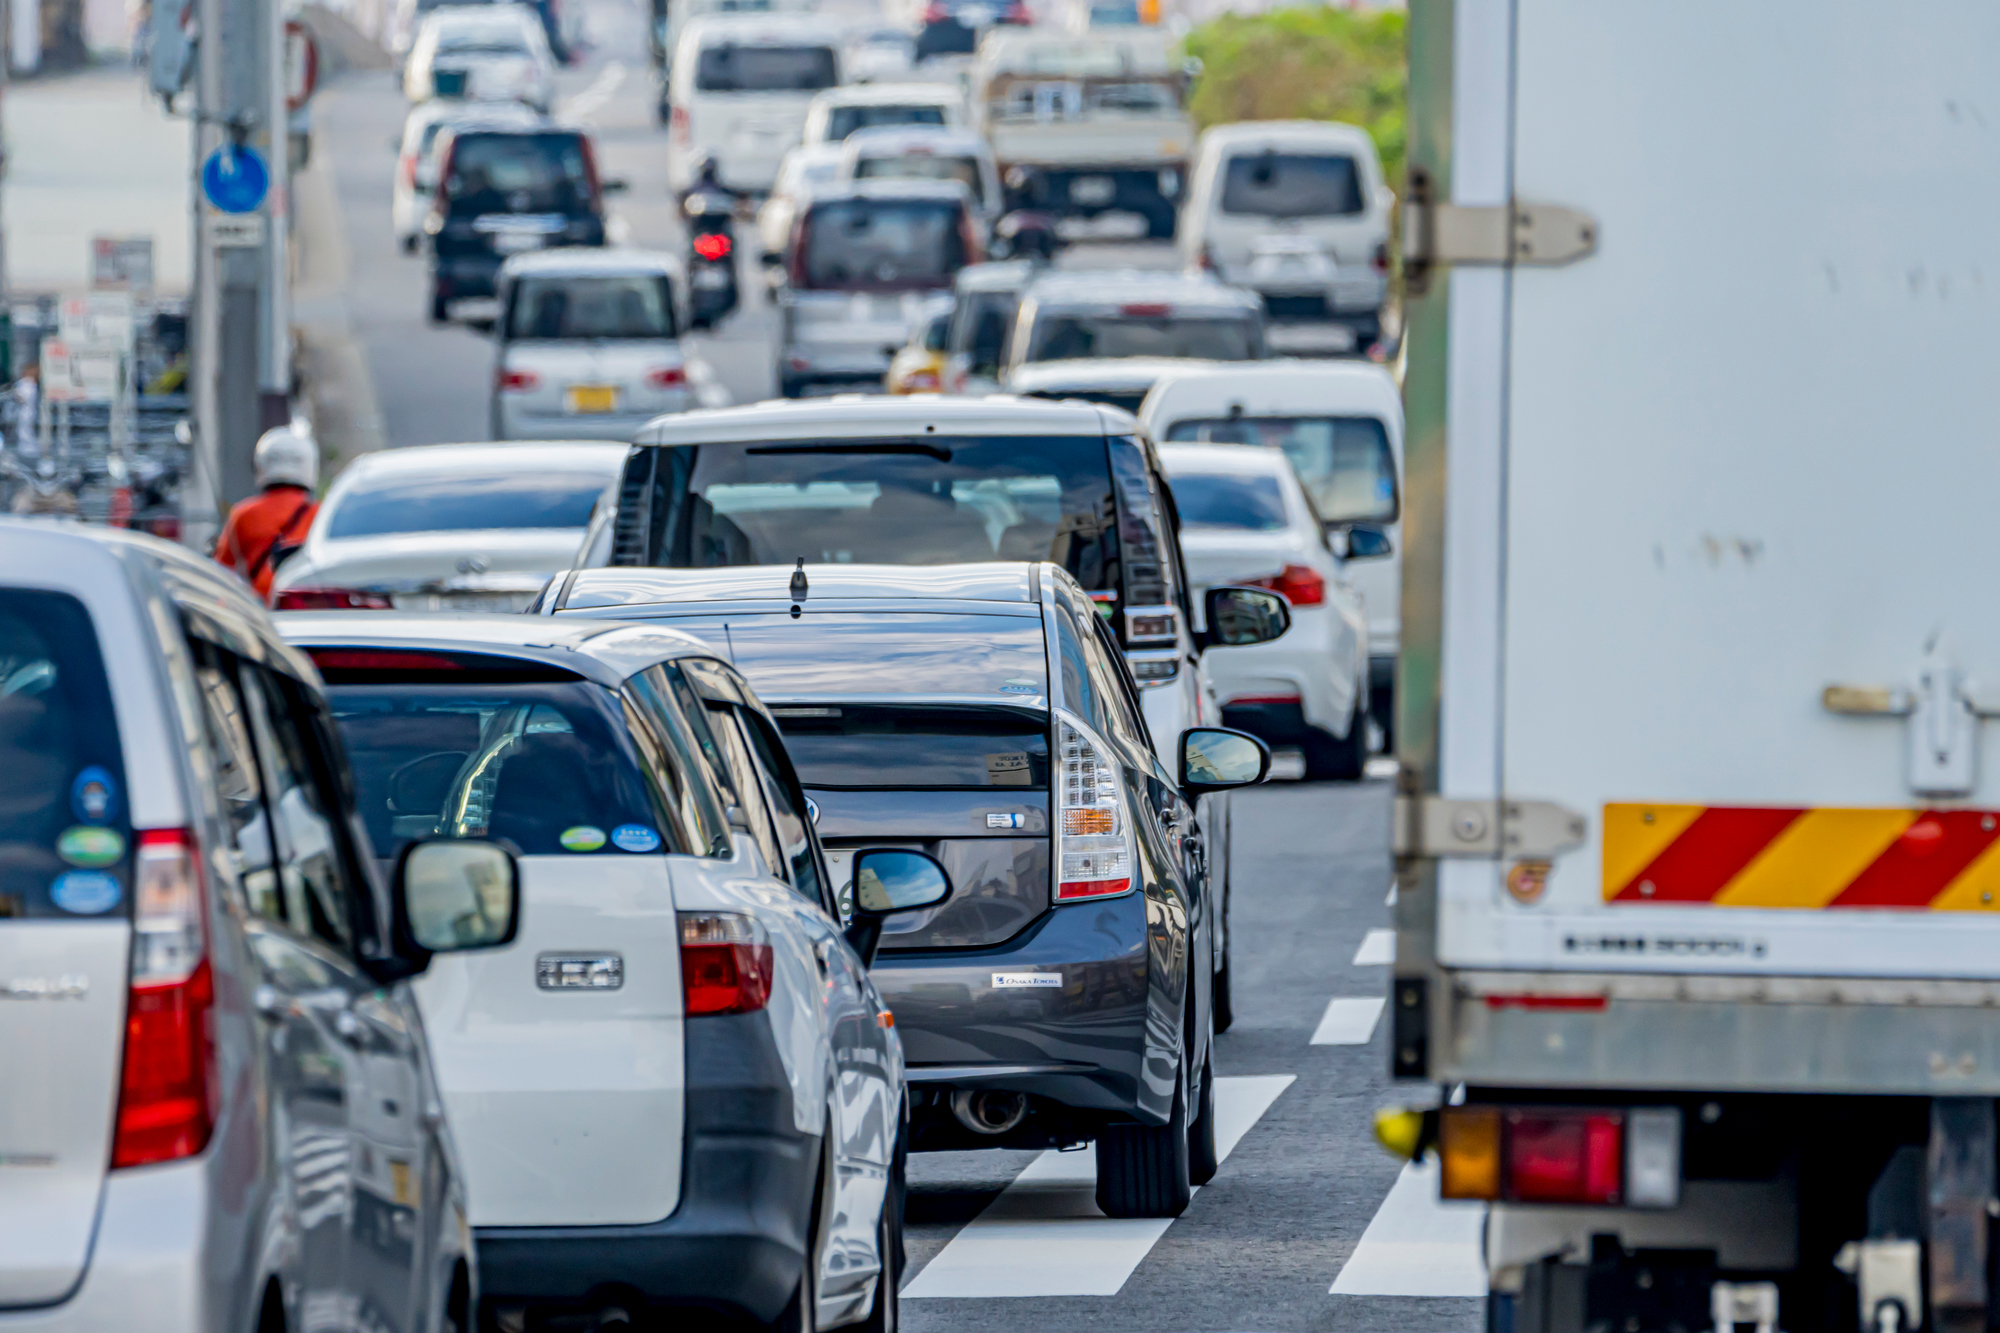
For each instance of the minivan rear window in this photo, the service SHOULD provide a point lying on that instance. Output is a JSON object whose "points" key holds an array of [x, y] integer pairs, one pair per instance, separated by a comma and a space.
{"points": [[924, 167], [65, 831], [730, 68], [1061, 337], [868, 747], [519, 173], [624, 305], [845, 120], [1343, 462], [1291, 185], [882, 245]]}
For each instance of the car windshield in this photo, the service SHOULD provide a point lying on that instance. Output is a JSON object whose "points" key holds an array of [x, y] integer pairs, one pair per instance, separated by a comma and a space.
{"points": [[1060, 337], [549, 767], [873, 746], [519, 173], [1292, 185], [464, 503], [765, 69], [845, 120], [1344, 462], [938, 500], [64, 818], [624, 305], [923, 167], [882, 245], [1223, 500]]}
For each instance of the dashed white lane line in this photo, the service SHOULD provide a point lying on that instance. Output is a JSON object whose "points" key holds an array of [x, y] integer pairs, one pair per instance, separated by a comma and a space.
{"points": [[1044, 1235], [1416, 1244], [1378, 948], [1348, 1021]]}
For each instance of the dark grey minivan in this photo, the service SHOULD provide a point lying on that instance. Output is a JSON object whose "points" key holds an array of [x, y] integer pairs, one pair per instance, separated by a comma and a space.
{"points": [[984, 714]]}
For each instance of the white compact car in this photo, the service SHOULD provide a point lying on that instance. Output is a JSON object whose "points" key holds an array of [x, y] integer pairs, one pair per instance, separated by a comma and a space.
{"points": [[1296, 211], [417, 164], [481, 53], [588, 344], [678, 1088], [1341, 424], [448, 527], [839, 112], [807, 168], [919, 152], [739, 90], [1246, 521]]}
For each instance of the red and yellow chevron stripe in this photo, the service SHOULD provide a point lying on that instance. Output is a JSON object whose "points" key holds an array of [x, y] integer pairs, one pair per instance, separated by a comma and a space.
{"points": [[1830, 856]]}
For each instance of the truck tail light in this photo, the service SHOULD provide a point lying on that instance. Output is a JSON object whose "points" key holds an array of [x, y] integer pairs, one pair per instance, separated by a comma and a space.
{"points": [[1300, 583], [725, 963], [166, 1094], [515, 381], [1092, 847], [330, 599], [1535, 1154]]}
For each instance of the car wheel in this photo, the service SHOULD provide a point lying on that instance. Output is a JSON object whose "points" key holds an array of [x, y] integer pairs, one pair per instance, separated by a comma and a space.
{"points": [[1202, 1160], [1225, 1009], [440, 308], [887, 1316], [1338, 758], [1142, 1170], [801, 1314]]}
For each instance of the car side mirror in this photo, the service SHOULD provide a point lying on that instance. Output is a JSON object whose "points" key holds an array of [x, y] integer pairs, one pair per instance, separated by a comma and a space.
{"points": [[456, 894], [888, 880], [1216, 759], [1365, 541], [1239, 617]]}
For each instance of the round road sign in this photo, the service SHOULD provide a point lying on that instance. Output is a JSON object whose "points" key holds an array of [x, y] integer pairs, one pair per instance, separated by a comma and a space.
{"points": [[235, 179]]}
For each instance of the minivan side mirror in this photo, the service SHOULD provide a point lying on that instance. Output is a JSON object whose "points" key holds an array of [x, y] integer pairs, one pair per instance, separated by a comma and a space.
{"points": [[1216, 759], [1359, 541], [456, 894], [888, 880], [1239, 617]]}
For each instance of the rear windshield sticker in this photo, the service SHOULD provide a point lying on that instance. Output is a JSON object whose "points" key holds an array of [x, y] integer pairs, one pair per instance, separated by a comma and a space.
{"points": [[635, 838], [1026, 980], [94, 796], [89, 846], [1018, 686], [582, 838], [1008, 769], [86, 892]]}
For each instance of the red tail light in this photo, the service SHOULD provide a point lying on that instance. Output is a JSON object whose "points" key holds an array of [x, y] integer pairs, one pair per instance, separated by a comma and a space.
{"points": [[1146, 310], [409, 169], [590, 171], [682, 130], [795, 267], [515, 381], [372, 659], [712, 247], [166, 1093], [725, 963], [666, 377], [1205, 259], [1017, 13], [936, 12], [331, 599], [1300, 583], [1382, 257], [1565, 1156]]}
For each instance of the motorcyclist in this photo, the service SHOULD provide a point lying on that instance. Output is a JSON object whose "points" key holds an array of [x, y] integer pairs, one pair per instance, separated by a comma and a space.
{"points": [[710, 207], [270, 525]]}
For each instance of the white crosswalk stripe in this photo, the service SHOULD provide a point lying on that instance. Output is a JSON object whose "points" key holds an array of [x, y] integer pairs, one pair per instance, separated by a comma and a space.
{"points": [[1378, 948], [1417, 1244], [1349, 1020]]}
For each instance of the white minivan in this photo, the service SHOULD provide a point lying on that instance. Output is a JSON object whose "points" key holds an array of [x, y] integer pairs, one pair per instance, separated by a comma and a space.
{"points": [[1341, 423], [739, 90], [1297, 211]]}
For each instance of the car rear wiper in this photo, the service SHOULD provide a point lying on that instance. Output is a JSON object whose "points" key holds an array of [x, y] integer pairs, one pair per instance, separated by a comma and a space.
{"points": [[937, 451]]}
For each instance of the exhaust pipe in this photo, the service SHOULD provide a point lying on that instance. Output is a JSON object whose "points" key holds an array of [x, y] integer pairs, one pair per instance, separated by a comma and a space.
{"points": [[985, 1111]]}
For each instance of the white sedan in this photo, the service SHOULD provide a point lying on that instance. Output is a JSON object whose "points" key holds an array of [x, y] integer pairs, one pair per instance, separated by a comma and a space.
{"points": [[1245, 519], [481, 52], [449, 527]]}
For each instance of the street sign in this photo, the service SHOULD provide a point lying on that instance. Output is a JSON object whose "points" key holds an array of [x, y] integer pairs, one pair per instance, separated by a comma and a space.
{"points": [[102, 318], [228, 230], [81, 373], [122, 264], [235, 179]]}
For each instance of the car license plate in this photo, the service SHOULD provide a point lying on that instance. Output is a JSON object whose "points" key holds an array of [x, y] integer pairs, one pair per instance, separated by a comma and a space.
{"points": [[711, 279], [975, 16], [514, 242], [1092, 190], [593, 398]]}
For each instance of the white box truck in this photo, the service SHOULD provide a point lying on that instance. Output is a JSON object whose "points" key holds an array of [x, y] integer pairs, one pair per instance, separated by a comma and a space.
{"points": [[1698, 918]]}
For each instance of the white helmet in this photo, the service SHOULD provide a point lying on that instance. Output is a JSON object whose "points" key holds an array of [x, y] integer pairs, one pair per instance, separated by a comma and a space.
{"points": [[286, 457]]}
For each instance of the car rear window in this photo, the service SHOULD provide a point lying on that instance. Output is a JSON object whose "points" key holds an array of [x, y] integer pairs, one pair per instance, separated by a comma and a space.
{"points": [[1063, 337], [549, 767], [1125, 400], [866, 747], [882, 245], [634, 305], [1218, 500], [1291, 185], [765, 69], [519, 173], [845, 120], [923, 167], [467, 503], [830, 655], [1344, 462], [65, 835]]}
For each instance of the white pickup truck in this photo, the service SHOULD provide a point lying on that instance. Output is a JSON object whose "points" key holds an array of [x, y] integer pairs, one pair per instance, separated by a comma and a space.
{"points": [[1086, 123], [1698, 898]]}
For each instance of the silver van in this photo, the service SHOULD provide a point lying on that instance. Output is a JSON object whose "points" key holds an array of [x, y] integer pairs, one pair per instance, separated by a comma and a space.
{"points": [[220, 1109]]}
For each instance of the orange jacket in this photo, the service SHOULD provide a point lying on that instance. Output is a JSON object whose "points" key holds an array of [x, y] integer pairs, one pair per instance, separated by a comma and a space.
{"points": [[258, 525]]}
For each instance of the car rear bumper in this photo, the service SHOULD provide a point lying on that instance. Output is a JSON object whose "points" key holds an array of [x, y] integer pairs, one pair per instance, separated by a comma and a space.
{"points": [[621, 426], [735, 1243], [146, 1269], [1302, 668]]}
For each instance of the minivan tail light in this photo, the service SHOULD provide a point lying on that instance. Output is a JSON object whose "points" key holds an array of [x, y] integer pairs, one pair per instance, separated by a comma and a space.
{"points": [[666, 377], [330, 599], [682, 129], [166, 1094], [725, 963], [515, 381], [1301, 584], [1093, 848]]}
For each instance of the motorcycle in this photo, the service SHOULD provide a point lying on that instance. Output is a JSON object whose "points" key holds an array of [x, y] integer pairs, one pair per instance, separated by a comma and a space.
{"points": [[712, 284]]}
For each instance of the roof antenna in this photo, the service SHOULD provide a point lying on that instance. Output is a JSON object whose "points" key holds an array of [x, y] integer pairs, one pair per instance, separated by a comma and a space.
{"points": [[799, 586]]}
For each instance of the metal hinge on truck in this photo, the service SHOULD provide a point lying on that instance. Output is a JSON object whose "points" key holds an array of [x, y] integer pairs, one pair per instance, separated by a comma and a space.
{"points": [[1505, 235], [1438, 826]]}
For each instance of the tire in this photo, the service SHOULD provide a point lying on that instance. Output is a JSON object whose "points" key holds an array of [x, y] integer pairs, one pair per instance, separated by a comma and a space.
{"points": [[887, 1316], [801, 1313], [1202, 1161], [1225, 1009], [1338, 758], [440, 308], [1142, 1170]]}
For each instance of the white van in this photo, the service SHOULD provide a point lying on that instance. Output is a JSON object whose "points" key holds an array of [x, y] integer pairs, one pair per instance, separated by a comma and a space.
{"points": [[739, 89], [1297, 211], [1341, 423]]}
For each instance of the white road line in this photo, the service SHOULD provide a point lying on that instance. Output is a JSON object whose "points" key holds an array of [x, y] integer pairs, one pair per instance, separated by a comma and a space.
{"points": [[586, 103], [1378, 948], [1391, 899], [1417, 1245], [1348, 1021], [1044, 1235]]}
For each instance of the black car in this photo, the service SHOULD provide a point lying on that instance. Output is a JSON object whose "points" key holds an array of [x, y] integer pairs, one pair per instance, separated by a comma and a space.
{"points": [[502, 191], [953, 27]]}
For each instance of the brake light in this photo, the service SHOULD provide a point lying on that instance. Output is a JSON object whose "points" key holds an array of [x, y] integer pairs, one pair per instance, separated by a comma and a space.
{"points": [[366, 659], [1093, 853], [1564, 1157], [1205, 259], [1146, 310], [409, 166], [712, 247], [330, 599], [1381, 257], [683, 131], [936, 12], [1301, 584], [666, 377], [1017, 12], [515, 381], [725, 963], [795, 267], [1537, 1154], [166, 1094]]}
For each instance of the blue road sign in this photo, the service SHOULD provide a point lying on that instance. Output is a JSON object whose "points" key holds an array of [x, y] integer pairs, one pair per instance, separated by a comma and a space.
{"points": [[235, 179]]}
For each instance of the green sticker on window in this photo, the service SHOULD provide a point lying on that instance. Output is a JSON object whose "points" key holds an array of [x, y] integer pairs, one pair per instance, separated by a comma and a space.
{"points": [[582, 838], [84, 845]]}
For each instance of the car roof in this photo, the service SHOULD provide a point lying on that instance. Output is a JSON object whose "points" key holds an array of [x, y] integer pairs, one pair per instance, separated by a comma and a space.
{"points": [[865, 416], [891, 189], [1120, 287], [582, 260], [606, 651], [1238, 459], [888, 94], [892, 139], [1291, 133], [993, 587], [1277, 387], [486, 459], [1098, 372]]}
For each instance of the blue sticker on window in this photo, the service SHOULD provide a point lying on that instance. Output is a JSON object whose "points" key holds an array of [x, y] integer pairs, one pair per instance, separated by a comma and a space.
{"points": [[86, 892], [635, 838], [94, 796]]}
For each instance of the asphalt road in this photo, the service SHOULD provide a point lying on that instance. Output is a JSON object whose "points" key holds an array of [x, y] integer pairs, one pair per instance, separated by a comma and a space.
{"points": [[1004, 1241]]}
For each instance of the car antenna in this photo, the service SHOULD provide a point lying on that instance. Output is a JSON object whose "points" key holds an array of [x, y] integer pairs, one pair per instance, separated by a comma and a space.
{"points": [[799, 585]]}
